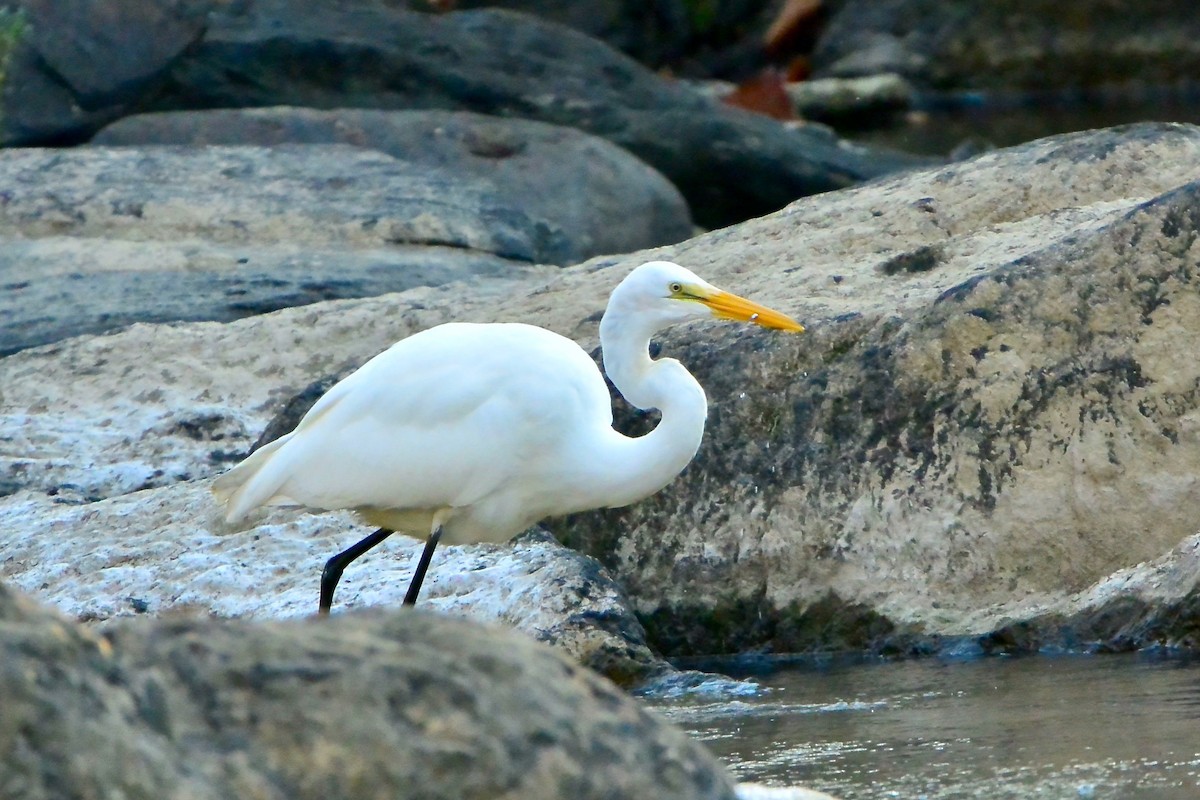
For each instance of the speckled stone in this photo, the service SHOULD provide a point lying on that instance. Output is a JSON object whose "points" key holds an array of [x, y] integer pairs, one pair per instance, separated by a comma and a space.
{"points": [[407, 704]]}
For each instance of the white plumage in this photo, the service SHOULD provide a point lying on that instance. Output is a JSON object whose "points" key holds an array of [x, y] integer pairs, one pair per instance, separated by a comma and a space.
{"points": [[473, 432]]}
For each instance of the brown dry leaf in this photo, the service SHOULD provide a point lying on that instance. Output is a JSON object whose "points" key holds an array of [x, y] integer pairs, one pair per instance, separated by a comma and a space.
{"points": [[799, 68], [763, 94]]}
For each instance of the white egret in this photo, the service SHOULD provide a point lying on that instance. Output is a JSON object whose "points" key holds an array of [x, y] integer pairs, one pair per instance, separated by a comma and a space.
{"points": [[472, 433]]}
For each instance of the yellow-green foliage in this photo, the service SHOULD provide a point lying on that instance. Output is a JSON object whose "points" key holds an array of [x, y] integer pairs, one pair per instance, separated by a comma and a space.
{"points": [[13, 28]]}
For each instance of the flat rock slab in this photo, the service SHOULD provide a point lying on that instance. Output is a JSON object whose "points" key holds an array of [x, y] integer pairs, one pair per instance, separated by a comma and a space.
{"points": [[409, 704], [1014, 46], [194, 397], [98, 238], [588, 196], [730, 165]]}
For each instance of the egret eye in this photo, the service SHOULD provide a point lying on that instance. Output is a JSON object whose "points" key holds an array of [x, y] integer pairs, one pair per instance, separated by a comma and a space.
{"points": [[676, 288]]}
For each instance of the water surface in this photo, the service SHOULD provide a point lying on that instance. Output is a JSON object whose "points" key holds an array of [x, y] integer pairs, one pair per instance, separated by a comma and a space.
{"points": [[1101, 727], [1000, 124]]}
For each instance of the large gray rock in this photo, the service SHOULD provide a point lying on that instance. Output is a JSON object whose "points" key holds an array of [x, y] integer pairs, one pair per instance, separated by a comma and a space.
{"points": [[589, 196], [93, 239], [51, 91], [410, 704], [657, 34], [680, 36], [168, 552], [997, 408], [984, 44], [729, 164], [934, 458]]}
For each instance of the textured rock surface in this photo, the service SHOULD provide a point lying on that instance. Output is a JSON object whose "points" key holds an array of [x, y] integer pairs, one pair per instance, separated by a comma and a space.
{"points": [[1037, 46], [404, 705], [92, 239], [995, 407], [588, 195], [168, 552], [935, 457], [730, 165]]}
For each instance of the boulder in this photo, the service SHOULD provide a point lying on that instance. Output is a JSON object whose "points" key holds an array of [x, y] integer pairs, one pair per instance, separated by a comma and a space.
{"points": [[1039, 47], [50, 89], [168, 552], [1153, 605], [729, 164], [589, 197], [94, 239], [725, 40], [657, 34], [407, 704], [992, 410], [852, 101]]}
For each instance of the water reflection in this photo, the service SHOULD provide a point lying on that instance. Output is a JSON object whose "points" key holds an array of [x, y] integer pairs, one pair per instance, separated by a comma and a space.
{"points": [[1093, 727], [1000, 124]]}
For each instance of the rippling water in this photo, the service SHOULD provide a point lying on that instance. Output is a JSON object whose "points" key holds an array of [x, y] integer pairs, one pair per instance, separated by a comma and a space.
{"points": [[1103, 727]]}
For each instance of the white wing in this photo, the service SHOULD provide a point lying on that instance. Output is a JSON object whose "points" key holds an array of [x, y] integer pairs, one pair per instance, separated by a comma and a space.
{"points": [[446, 417]]}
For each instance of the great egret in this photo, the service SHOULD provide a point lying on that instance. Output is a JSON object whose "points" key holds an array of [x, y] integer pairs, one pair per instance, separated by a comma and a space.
{"points": [[473, 432]]}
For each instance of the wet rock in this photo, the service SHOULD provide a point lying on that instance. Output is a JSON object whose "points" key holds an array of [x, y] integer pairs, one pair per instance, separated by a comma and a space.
{"points": [[1151, 605], [975, 44], [95, 239], [586, 196], [851, 100], [406, 704], [52, 92], [730, 165]]}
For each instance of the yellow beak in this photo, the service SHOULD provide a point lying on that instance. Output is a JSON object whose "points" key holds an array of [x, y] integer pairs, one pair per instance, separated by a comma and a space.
{"points": [[729, 306]]}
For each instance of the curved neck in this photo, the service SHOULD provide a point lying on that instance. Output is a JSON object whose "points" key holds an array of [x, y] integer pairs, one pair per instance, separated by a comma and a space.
{"points": [[628, 469]]}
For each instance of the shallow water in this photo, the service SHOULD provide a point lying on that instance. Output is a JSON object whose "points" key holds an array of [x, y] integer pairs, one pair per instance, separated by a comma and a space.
{"points": [[1101, 727], [938, 132]]}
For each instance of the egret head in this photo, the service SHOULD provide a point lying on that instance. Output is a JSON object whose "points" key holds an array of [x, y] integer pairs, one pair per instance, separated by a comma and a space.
{"points": [[668, 293]]}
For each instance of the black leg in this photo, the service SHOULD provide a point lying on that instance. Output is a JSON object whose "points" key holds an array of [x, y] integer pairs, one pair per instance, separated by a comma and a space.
{"points": [[418, 577], [334, 566]]}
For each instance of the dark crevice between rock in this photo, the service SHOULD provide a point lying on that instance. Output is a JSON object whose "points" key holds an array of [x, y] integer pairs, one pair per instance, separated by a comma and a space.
{"points": [[923, 259]]}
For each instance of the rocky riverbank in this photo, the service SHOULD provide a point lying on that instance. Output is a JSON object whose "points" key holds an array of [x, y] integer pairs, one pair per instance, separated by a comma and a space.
{"points": [[986, 441], [992, 396]]}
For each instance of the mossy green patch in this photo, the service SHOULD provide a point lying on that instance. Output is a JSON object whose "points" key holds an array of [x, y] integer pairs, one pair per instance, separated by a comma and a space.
{"points": [[13, 30]]}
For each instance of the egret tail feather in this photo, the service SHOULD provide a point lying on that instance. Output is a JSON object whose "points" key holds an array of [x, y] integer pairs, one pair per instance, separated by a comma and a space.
{"points": [[251, 483]]}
